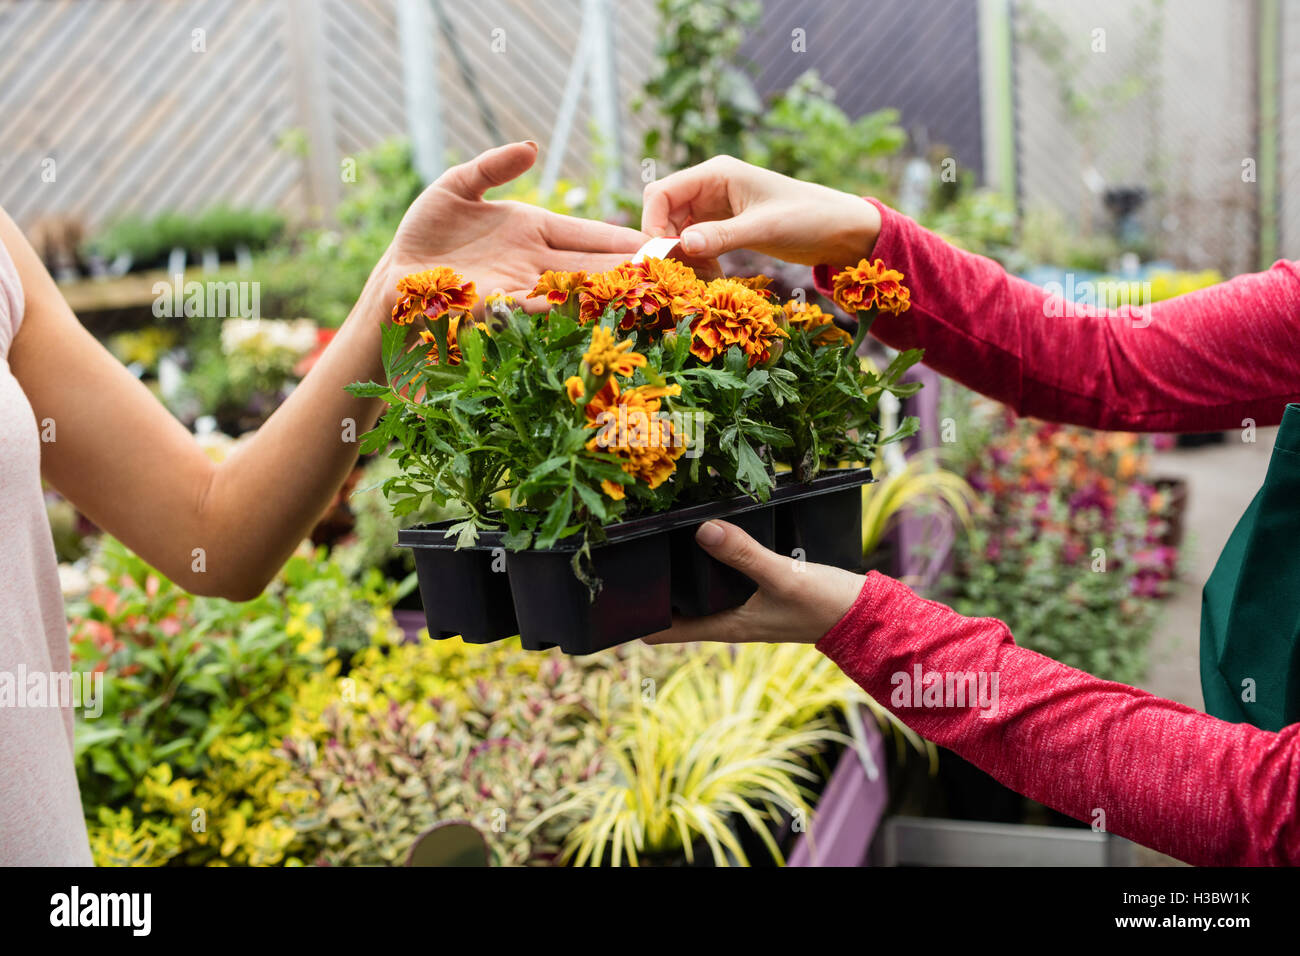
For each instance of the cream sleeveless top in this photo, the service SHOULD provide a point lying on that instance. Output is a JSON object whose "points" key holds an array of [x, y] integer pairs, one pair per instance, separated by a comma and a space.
{"points": [[41, 820]]}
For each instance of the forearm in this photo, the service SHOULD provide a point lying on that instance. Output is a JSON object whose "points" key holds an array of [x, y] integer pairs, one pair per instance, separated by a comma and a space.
{"points": [[1195, 787], [265, 498], [1202, 361]]}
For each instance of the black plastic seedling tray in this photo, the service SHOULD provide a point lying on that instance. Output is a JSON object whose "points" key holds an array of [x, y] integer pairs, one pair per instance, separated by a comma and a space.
{"points": [[650, 568], [821, 521]]}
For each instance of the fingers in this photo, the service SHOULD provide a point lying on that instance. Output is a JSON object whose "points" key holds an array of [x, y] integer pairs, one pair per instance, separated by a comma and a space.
{"points": [[700, 192], [563, 260], [687, 630], [589, 235], [708, 240], [734, 547], [495, 167]]}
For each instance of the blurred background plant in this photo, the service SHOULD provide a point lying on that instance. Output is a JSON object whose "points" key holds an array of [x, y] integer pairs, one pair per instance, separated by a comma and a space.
{"points": [[1070, 543]]}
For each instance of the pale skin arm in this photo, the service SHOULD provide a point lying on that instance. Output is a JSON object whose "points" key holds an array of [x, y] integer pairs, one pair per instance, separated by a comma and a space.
{"points": [[126, 463], [724, 204]]}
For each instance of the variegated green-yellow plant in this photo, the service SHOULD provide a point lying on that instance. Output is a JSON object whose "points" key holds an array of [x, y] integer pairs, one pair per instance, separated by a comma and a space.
{"points": [[732, 736]]}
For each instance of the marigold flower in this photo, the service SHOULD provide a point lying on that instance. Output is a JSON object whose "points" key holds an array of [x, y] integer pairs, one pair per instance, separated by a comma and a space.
{"points": [[809, 317], [672, 289], [432, 293], [734, 314], [759, 284], [632, 428], [607, 357], [869, 285], [557, 286], [619, 288]]}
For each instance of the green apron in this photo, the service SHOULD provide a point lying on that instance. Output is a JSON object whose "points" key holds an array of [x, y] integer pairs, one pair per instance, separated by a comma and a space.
{"points": [[1250, 608]]}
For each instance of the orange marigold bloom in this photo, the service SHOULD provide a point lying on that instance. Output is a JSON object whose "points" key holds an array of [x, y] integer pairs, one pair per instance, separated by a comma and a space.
{"points": [[432, 293], [557, 286], [619, 288], [632, 428], [809, 317], [759, 284], [672, 292], [653, 293], [869, 285], [608, 357], [734, 314]]}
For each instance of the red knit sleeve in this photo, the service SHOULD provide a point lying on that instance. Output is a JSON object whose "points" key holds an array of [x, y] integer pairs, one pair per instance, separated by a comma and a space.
{"points": [[1167, 776], [1199, 362]]}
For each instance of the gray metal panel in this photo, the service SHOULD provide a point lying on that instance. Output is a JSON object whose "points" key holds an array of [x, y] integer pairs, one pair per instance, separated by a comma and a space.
{"points": [[919, 56], [922, 841]]}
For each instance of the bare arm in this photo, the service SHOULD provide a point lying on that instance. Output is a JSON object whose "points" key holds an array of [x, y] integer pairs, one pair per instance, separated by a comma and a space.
{"points": [[225, 529]]}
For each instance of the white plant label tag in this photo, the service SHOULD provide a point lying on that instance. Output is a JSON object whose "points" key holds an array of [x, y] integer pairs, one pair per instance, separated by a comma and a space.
{"points": [[660, 248]]}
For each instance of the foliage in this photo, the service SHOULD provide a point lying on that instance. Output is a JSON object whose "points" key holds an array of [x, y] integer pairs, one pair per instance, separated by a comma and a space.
{"points": [[221, 228], [731, 736], [804, 134], [195, 688], [241, 375], [1068, 547], [379, 779], [919, 481], [503, 428], [371, 543], [320, 272], [981, 221], [706, 100], [710, 107]]}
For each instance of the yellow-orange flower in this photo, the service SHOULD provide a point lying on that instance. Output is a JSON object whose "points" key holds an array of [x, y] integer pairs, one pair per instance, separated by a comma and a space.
{"points": [[432, 293], [653, 293], [809, 317], [869, 285], [631, 427], [758, 283], [607, 357], [619, 288], [672, 292], [557, 286], [734, 314]]}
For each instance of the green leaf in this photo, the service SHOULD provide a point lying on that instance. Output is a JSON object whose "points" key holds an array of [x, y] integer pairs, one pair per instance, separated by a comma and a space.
{"points": [[368, 390], [750, 469], [557, 517]]}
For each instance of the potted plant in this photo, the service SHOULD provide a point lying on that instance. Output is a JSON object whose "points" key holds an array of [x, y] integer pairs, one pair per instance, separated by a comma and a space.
{"points": [[583, 443]]}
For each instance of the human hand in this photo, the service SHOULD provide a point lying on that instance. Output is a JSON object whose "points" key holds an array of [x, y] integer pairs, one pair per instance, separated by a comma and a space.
{"points": [[724, 204], [501, 246], [795, 602]]}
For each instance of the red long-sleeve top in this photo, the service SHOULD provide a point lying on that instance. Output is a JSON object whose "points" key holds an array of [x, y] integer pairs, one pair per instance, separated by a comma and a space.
{"points": [[1162, 774]]}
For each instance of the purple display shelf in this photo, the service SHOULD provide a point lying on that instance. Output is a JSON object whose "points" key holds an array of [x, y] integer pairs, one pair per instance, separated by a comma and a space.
{"points": [[850, 809], [411, 623]]}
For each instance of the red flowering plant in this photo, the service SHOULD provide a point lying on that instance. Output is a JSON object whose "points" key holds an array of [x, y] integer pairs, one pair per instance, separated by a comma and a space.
{"points": [[633, 390], [1072, 546]]}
